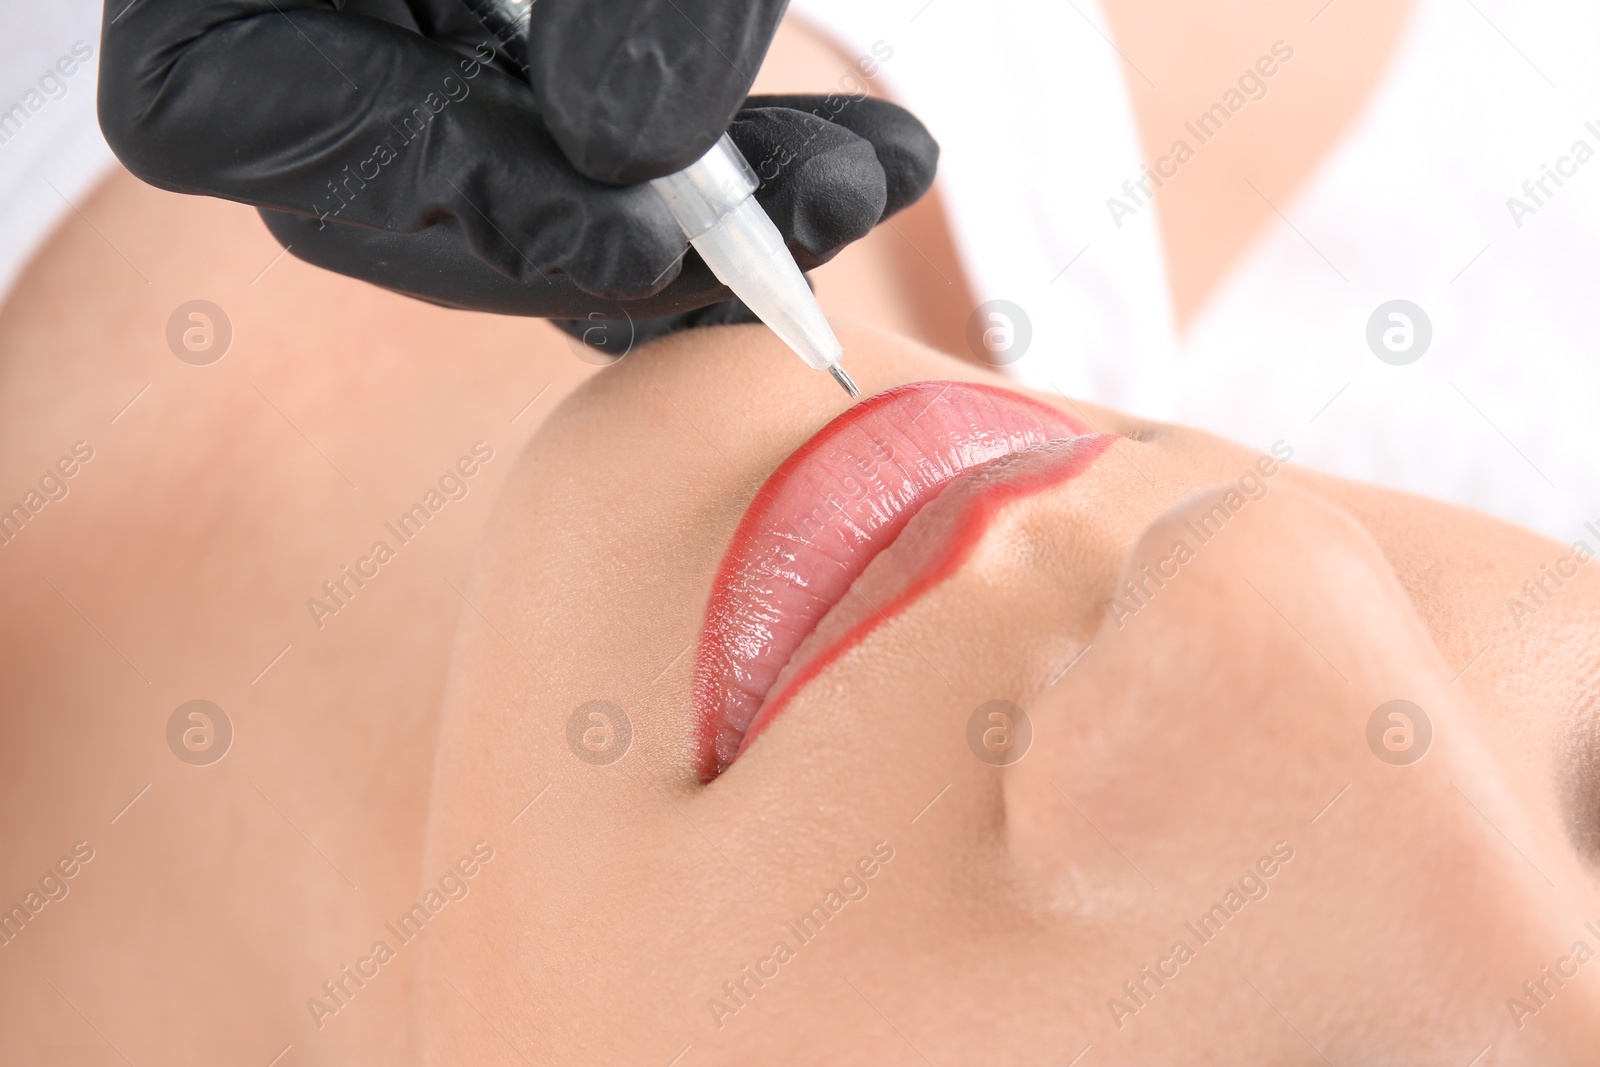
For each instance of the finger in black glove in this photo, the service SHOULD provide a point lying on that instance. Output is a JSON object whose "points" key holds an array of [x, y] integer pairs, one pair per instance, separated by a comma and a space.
{"points": [[828, 192]]}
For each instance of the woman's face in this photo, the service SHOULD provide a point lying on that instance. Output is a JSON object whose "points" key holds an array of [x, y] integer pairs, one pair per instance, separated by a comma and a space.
{"points": [[1095, 747]]}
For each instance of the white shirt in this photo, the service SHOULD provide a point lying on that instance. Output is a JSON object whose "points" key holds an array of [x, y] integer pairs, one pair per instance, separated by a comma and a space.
{"points": [[51, 150], [1030, 107]]}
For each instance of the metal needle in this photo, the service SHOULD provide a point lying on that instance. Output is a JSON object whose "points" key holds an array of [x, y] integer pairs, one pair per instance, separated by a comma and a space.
{"points": [[844, 381]]}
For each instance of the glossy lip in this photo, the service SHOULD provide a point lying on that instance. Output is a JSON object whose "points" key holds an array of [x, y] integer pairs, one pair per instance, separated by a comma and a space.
{"points": [[835, 505]]}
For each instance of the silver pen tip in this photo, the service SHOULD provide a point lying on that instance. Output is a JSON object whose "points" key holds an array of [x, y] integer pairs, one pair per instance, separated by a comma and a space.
{"points": [[844, 381]]}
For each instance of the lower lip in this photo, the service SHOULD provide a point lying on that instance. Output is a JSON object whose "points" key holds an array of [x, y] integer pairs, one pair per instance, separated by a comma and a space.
{"points": [[798, 550]]}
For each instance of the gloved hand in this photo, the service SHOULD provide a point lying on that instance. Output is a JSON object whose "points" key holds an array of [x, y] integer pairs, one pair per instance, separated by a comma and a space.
{"points": [[399, 142]]}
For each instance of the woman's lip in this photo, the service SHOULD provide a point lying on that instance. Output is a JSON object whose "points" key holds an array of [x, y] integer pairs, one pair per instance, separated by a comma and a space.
{"points": [[820, 519], [932, 547]]}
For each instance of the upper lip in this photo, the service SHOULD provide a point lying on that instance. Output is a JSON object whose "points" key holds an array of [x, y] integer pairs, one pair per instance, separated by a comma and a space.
{"points": [[823, 515]]}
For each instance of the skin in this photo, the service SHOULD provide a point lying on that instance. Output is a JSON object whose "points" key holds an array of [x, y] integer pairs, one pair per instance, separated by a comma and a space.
{"points": [[219, 902], [191, 542], [1214, 721], [1178, 60]]}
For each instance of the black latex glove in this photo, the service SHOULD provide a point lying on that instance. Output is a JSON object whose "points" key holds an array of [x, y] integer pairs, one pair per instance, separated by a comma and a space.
{"points": [[396, 141]]}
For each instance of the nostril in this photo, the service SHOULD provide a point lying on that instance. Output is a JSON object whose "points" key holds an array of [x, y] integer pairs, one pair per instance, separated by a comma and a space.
{"points": [[1580, 794]]}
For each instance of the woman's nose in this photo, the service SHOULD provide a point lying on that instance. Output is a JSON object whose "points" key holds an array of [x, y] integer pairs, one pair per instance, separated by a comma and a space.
{"points": [[1263, 751]]}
